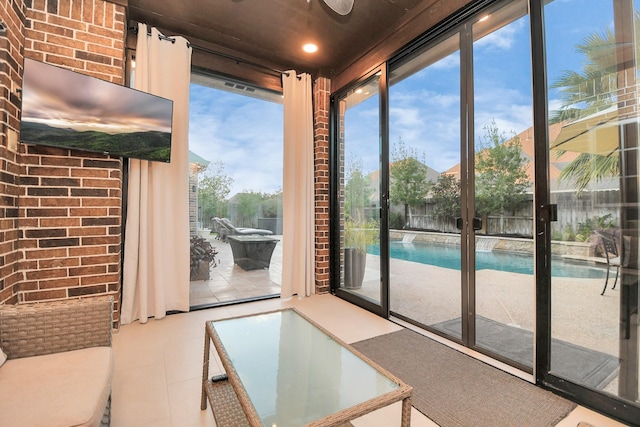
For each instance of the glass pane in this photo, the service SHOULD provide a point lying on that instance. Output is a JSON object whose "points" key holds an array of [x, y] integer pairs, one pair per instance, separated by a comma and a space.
{"points": [[424, 127], [293, 385], [503, 128], [360, 190], [593, 98], [230, 192]]}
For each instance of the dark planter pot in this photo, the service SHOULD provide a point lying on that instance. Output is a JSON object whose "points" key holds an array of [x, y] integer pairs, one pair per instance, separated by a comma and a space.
{"points": [[354, 264], [201, 272]]}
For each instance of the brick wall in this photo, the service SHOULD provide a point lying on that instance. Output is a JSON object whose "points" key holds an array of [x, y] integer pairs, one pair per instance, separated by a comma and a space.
{"points": [[60, 210], [11, 45], [321, 95], [68, 235]]}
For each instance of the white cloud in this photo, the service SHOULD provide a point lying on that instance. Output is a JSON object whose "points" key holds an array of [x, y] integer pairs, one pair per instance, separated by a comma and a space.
{"points": [[448, 62], [503, 38], [244, 133]]}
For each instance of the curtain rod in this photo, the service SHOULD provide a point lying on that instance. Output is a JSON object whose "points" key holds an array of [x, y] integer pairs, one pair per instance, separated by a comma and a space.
{"points": [[236, 59], [214, 52]]}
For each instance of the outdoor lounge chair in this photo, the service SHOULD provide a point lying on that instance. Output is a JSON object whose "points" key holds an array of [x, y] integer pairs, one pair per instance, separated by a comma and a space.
{"points": [[610, 249], [226, 228]]}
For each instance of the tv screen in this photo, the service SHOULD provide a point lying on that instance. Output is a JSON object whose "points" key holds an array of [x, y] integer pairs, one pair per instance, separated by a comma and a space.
{"points": [[62, 108]]}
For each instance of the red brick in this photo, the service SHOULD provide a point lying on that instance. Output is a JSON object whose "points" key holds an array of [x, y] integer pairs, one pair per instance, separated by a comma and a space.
{"points": [[88, 231], [87, 250], [46, 274], [87, 290], [58, 262], [92, 280], [84, 271], [66, 282], [107, 259], [45, 295]]}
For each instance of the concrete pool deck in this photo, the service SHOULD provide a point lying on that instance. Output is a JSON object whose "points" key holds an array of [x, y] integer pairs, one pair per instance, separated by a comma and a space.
{"points": [[430, 295]]}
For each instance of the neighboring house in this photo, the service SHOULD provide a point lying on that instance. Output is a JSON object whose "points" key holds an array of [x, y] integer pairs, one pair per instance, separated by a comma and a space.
{"points": [[196, 165]]}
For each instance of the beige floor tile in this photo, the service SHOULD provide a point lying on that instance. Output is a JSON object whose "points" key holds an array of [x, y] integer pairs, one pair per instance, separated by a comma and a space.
{"points": [[390, 417], [184, 361], [159, 364], [184, 402], [139, 396], [582, 414]]}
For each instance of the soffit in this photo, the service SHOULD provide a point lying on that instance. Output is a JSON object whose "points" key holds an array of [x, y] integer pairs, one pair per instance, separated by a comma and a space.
{"points": [[271, 32]]}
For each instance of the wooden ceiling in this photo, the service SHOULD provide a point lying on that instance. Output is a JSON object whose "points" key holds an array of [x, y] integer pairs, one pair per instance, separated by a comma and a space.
{"points": [[271, 32]]}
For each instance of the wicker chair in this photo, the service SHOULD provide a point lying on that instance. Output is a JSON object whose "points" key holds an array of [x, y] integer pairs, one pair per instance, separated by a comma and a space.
{"points": [[54, 330]]}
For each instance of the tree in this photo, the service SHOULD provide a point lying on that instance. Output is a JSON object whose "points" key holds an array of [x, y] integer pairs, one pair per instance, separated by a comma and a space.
{"points": [[409, 185], [587, 92], [247, 205], [213, 188], [594, 89], [501, 178], [357, 192], [272, 205], [445, 196]]}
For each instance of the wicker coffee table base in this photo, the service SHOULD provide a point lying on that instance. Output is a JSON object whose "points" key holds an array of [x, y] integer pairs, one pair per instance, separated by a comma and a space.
{"points": [[225, 405]]}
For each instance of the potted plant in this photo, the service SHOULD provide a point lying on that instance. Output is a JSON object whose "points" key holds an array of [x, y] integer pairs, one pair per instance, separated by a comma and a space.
{"points": [[202, 258], [358, 235]]}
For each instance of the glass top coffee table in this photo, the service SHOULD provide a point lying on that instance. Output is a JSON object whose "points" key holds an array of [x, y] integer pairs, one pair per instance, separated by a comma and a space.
{"points": [[288, 371]]}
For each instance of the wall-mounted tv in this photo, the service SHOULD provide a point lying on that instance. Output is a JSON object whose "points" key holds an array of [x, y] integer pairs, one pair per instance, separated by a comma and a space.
{"points": [[62, 108]]}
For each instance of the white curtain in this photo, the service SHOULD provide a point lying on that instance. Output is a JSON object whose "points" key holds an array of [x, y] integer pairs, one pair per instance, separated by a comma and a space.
{"points": [[298, 238], [156, 250]]}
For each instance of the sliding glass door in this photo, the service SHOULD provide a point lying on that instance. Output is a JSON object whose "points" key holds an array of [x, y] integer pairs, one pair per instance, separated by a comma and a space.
{"points": [[426, 264], [502, 294], [461, 186], [498, 198], [593, 97], [360, 198]]}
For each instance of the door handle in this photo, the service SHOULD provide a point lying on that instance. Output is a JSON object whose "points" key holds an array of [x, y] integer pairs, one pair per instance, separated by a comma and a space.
{"points": [[477, 223]]}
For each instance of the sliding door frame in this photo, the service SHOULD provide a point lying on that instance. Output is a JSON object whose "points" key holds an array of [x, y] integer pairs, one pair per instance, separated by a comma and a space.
{"points": [[600, 401], [613, 406], [381, 309]]}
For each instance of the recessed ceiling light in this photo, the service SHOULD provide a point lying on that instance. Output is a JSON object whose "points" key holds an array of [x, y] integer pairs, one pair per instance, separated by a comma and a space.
{"points": [[310, 47]]}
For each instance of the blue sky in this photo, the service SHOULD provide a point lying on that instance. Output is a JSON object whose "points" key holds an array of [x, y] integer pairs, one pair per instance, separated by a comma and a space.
{"points": [[243, 133], [246, 134], [424, 108]]}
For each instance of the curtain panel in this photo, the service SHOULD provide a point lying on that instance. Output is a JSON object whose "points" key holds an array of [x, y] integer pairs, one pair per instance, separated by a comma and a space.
{"points": [[156, 246], [298, 239]]}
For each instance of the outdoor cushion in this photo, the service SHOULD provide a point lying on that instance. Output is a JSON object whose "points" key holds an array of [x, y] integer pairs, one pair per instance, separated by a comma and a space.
{"points": [[61, 389]]}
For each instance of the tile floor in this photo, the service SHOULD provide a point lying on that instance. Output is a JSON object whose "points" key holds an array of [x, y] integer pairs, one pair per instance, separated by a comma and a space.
{"points": [[228, 282], [158, 365]]}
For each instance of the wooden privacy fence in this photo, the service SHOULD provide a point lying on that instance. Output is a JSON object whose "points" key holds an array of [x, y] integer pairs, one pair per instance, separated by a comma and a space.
{"points": [[573, 210]]}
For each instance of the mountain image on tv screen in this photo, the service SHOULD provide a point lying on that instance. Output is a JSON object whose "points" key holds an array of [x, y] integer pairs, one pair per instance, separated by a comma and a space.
{"points": [[62, 108]]}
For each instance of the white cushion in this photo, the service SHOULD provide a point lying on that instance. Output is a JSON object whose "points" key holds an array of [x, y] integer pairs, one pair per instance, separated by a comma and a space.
{"points": [[3, 357], [61, 389]]}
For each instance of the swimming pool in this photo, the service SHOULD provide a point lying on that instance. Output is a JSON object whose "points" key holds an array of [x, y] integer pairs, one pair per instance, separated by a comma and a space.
{"points": [[449, 257]]}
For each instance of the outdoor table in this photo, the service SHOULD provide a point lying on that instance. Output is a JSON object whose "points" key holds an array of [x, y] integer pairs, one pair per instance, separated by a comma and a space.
{"points": [[252, 252], [288, 371]]}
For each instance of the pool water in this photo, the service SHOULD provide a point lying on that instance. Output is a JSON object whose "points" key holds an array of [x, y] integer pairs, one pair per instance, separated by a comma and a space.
{"points": [[449, 257]]}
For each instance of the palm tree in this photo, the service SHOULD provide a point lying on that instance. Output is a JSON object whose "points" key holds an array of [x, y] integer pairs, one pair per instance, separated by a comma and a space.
{"points": [[588, 92]]}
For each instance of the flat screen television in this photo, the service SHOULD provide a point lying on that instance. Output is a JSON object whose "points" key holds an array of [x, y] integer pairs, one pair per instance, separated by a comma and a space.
{"points": [[66, 109]]}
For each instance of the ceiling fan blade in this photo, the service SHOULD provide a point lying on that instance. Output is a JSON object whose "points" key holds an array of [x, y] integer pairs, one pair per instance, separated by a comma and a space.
{"points": [[341, 7]]}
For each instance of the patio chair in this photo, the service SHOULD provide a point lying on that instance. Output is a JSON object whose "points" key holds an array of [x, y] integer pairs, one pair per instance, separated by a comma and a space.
{"points": [[610, 249], [218, 227], [231, 230]]}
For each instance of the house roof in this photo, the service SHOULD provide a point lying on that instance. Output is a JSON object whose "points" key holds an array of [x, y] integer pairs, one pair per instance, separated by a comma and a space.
{"points": [[194, 158], [557, 160]]}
